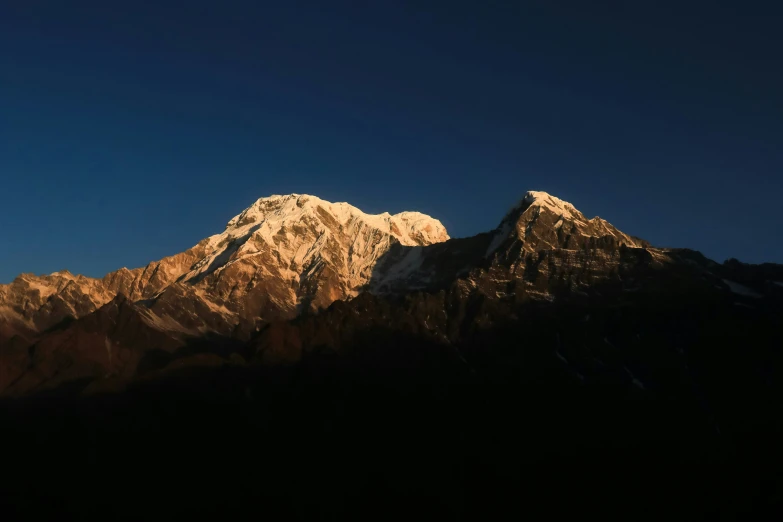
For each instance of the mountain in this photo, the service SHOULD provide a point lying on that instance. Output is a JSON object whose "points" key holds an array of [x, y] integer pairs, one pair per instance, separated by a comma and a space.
{"points": [[281, 255], [539, 222], [342, 360]]}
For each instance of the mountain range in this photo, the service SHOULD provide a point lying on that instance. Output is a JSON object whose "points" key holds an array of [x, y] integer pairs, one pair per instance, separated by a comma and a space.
{"points": [[554, 329], [286, 256]]}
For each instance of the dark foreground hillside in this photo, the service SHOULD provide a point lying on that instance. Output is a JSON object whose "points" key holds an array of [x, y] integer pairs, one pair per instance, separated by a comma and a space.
{"points": [[394, 426]]}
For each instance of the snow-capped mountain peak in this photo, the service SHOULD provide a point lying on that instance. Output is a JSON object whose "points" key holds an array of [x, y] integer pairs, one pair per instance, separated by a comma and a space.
{"points": [[535, 199], [302, 251], [541, 220], [542, 199], [272, 212], [282, 253]]}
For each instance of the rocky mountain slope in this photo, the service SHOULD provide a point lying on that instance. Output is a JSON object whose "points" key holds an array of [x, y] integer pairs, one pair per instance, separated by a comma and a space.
{"points": [[286, 256], [538, 223], [281, 255]]}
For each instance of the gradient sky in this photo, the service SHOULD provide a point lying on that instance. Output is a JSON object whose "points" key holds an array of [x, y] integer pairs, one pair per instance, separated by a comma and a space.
{"points": [[131, 130]]}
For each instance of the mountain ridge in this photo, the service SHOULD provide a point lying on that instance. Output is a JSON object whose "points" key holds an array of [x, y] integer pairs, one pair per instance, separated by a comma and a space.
{"points": [[295, 255]]}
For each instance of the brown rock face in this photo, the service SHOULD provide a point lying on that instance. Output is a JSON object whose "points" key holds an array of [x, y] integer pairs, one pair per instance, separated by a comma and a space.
{"points": [[108, 343], [144, 283], [543, 222], [34, 303]]}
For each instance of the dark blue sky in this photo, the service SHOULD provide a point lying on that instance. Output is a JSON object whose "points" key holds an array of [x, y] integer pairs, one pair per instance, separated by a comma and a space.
{"points": [[131, 130]]}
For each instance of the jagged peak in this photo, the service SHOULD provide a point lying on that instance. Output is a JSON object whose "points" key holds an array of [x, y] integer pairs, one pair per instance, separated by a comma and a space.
{"points": [[540, 199], [63, 273], [278, 210], [529, 207], [543, 199]]}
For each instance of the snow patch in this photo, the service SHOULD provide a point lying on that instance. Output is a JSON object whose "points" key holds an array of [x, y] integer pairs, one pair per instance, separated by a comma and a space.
{"points": [[44, 290], [410, 228], [500, 236], [405, 267], [636, 382], [556, 205], [741, 289]]}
